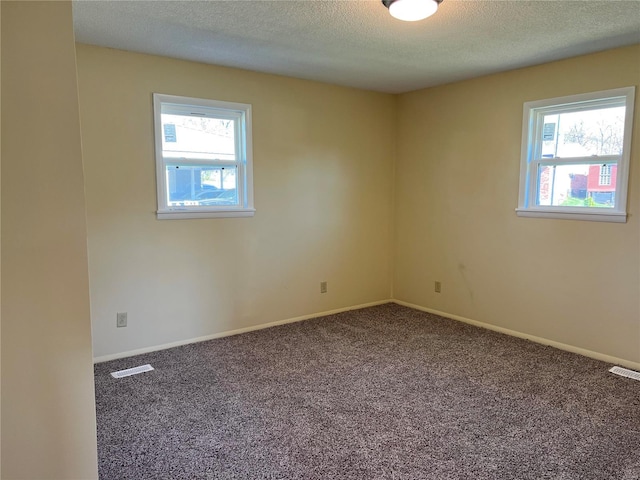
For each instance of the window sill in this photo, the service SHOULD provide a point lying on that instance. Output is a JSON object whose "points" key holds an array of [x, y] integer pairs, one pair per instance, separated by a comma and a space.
{"points": [[591, 216], [184, 214]]}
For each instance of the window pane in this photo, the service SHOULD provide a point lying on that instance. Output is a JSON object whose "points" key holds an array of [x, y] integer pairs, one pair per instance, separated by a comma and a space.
{"points": [[197, 137], [577, 185], [583, 133], [202, 186]]}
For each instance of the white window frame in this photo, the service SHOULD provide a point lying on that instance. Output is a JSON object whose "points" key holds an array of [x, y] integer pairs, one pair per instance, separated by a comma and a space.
{"points": [[240, 113], [531, 157]]}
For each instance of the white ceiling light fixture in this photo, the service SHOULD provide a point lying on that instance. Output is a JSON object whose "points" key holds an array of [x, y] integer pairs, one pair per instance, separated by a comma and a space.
{"points": [[411, 10]]}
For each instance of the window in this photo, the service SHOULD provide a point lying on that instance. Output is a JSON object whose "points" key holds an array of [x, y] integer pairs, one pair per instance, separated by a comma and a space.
{"points": [[203, 158], [605, 174], [575, 156]]}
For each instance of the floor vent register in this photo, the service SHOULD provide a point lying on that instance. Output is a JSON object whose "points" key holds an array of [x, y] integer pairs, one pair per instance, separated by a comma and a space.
{"points": [[132, 371], [625, 372]]}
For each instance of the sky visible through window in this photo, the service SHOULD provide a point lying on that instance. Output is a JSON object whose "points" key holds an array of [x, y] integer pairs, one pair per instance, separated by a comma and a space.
{"points": [[198, 137]]}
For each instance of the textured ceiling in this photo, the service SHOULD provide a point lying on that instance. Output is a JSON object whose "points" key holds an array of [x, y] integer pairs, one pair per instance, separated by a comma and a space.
{"points": [[356, 42]]}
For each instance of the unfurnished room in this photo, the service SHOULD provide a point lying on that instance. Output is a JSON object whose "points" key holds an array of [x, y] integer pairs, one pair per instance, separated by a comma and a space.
{"points": [[320, 239]]}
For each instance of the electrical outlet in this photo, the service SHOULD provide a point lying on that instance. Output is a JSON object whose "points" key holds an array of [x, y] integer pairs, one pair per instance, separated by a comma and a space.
{"points": [[437, 287], [323, 287], [121, 319]]}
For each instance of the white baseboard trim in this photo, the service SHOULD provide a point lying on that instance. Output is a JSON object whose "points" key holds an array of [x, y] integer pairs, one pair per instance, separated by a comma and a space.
{"points": [[140, 351], [533, 338]]}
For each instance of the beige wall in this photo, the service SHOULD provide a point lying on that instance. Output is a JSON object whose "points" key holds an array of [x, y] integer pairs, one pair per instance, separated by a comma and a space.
{"points": [[323, 165], [572, 282], [324, 170], [0, 244], [48, 414]]}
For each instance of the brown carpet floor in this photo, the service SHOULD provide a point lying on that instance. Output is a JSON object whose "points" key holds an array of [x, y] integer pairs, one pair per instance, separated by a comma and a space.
{"points": [[380, 393]]}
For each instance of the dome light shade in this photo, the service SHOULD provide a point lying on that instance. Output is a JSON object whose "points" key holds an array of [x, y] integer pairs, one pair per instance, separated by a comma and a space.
{"points": [[411, 10]]}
